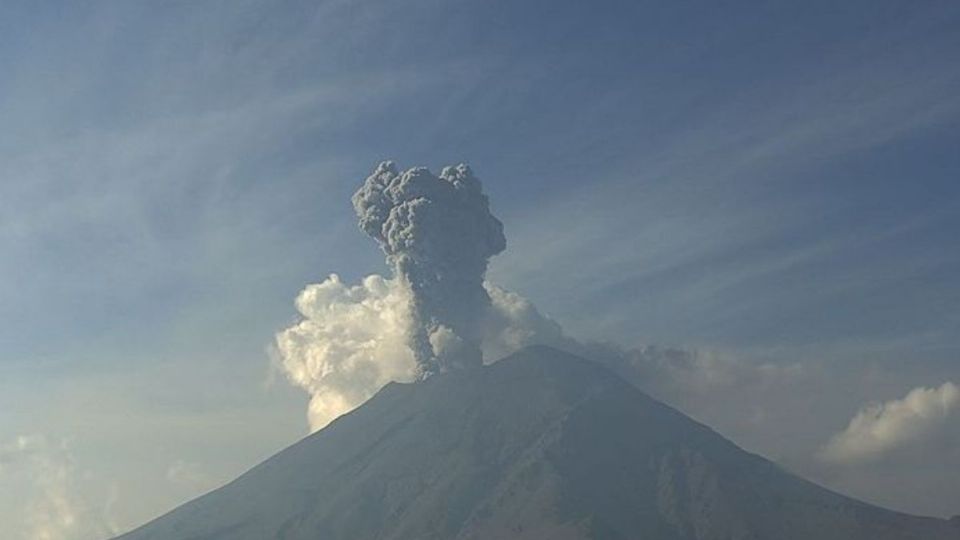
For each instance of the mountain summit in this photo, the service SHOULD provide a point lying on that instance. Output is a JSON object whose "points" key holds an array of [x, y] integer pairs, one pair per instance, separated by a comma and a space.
{"points": [[539, 445]]}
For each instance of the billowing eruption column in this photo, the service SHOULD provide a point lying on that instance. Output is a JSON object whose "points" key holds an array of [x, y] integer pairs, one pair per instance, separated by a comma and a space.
{"points": [[435, 313], [438, 235]]}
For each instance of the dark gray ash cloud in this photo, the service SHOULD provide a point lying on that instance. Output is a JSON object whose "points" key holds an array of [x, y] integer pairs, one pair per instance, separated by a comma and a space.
{"points": [[438, 235]]}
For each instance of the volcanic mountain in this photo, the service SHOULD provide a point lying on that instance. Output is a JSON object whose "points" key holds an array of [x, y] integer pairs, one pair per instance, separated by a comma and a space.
{"points": [[539, 445]]}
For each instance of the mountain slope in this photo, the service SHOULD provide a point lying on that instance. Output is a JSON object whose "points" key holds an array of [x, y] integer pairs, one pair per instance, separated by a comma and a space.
{"points": [[539, 445]]}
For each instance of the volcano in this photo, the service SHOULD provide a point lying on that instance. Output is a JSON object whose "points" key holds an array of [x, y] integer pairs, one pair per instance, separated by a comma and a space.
{"points": [[540, 445]]}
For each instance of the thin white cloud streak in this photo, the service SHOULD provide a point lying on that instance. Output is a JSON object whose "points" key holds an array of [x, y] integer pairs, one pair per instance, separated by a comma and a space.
{"points": [[160, 159], [879, 429], [671, 200], [768, 140], [170, 203]]}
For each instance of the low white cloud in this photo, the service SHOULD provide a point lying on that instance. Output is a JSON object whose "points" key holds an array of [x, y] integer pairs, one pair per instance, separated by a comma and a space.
{"points": [[47, 481], [923, 415]]}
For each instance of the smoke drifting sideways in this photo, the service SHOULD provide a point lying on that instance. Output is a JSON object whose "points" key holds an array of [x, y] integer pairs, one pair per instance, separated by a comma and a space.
{"points": [[434, 314]]}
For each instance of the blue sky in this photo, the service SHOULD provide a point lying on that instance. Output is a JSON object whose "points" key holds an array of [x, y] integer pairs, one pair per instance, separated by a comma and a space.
{"points": [[775, 181]]}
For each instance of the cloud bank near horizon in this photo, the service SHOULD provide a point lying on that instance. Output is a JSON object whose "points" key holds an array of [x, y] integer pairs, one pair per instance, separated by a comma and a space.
{"points": [[924, 416]]}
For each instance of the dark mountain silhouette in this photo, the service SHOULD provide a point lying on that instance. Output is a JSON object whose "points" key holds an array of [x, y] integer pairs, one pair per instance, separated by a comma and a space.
{"points": [[539, 445]]}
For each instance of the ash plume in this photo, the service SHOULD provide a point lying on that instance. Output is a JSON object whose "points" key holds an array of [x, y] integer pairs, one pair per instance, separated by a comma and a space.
{"points": [[438, 235], [434, 314]]}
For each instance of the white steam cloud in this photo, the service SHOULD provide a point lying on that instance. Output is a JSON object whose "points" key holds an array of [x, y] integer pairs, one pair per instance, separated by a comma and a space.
{"points": [[880, 428], [351, 342], [354, 340]]}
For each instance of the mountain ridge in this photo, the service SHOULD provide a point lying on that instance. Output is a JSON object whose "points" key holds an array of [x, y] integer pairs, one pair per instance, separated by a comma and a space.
{"points": [[541, 444]]}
